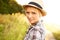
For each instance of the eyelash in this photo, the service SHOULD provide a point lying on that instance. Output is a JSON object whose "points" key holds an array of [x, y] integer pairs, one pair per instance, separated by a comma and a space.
{"points": [[32, 13]]}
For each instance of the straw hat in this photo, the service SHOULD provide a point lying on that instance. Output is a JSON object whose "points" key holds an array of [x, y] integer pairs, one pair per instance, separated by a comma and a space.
{"points": [[36, 5]]}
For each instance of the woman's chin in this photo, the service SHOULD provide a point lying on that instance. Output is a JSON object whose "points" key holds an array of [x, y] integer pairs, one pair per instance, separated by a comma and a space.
{"points": [[32, 23]]}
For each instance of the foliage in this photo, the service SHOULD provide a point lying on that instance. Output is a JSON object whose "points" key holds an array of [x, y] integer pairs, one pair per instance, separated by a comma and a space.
{"points": [[9, 7]]}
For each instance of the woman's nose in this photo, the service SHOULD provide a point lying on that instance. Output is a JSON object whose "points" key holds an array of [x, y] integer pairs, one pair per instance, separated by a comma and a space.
{"points": [[30, 15]]}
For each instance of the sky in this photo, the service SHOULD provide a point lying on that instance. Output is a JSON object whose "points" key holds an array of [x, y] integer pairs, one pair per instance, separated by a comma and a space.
{"points": [[52, 8], [53, 11]]}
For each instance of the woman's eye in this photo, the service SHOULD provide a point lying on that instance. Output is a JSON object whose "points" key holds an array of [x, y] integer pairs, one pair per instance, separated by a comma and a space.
{"points": [[33, 13], [27, 12]]}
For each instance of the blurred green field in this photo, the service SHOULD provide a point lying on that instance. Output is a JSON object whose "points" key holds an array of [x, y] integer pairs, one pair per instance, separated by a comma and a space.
{"points": [[13, 27], [13, 23]]}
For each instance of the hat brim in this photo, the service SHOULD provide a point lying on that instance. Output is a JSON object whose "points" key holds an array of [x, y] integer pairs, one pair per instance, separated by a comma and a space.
{"points": [[42, 11]]}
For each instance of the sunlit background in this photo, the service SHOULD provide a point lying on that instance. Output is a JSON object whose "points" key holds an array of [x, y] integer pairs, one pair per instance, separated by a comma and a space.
{"points": [[14, 26]]}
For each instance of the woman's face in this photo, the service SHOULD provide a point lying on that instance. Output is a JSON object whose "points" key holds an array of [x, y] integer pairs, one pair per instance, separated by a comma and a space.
{"points": [[33, 14]]}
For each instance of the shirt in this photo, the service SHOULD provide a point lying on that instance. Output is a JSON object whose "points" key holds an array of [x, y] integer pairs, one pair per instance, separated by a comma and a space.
{"points": [[36, 32]]}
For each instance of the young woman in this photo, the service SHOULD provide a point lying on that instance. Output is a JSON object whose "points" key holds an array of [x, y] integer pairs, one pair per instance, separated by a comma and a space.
{"points": [[34, 12]]}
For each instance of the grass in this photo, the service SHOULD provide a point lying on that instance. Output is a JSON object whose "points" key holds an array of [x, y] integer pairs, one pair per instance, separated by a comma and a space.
{"points": [[13, 27]]}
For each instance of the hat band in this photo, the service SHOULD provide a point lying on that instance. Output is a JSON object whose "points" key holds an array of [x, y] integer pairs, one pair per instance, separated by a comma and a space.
{"points": [[33, 3]]}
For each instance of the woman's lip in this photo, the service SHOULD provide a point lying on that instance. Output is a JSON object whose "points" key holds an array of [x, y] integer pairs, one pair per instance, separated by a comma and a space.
{"points": [[30, 19]]}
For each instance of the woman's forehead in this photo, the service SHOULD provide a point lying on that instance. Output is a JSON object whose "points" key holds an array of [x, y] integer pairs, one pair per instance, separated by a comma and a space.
{"points": [[31, 7]]}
